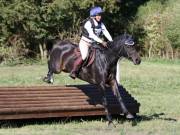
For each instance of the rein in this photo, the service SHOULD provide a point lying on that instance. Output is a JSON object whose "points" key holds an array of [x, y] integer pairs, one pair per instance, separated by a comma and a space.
{"points": [[119, 52]]}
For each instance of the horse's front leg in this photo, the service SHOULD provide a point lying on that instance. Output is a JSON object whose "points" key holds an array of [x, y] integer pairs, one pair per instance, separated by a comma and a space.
{"points": [[115, 89], [102, 89]]}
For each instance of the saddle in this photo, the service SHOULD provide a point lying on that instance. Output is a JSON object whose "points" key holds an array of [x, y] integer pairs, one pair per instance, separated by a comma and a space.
{"points": [[89, 59], [91, 54]]}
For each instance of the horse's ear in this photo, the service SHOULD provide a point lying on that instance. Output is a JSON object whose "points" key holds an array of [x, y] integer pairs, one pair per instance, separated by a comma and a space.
{"points": [[130, 37], [126, 36]]}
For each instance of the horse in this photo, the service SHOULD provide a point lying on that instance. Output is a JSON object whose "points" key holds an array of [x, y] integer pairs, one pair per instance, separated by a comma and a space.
{"points": [[102, 71]]}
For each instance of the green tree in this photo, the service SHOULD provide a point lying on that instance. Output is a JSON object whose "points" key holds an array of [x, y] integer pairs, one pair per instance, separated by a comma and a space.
{"points": [[155, 21], [172, 26]]}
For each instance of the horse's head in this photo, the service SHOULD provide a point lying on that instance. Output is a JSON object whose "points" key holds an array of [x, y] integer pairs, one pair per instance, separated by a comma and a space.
{"points": [[127, 49]]}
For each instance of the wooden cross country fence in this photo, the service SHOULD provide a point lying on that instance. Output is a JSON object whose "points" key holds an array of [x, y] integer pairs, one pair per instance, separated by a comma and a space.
{"points": [[59, 101]]}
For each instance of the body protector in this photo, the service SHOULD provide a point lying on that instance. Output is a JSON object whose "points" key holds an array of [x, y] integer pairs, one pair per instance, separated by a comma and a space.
{"points": [[96, 29]]}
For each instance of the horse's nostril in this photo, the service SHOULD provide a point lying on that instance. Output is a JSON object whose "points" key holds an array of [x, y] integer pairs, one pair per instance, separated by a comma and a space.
{"points": [[138, 61]]}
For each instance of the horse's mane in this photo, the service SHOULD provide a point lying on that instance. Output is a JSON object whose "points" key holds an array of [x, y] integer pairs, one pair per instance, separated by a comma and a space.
{"points": [[118, 39], [115, 40]]}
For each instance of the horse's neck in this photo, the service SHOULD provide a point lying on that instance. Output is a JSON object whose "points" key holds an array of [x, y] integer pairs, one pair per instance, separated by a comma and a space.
{"points": [[111, 56], [114, 52]]}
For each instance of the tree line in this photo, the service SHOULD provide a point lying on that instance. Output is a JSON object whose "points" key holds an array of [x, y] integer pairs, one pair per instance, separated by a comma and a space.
{"points": [[26, 25]]}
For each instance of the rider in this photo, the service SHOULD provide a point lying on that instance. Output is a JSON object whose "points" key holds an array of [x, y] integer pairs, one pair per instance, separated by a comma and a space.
{"points": [[92, 30]]}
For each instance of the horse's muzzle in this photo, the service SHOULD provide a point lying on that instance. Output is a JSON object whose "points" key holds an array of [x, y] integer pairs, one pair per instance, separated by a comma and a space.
{"points": [[137, 61]]}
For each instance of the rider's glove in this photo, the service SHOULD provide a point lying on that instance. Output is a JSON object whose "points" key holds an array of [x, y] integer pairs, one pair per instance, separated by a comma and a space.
{"points": [[104, 44]]}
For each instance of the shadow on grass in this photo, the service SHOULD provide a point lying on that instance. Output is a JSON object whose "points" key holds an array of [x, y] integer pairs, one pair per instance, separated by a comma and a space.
{"points": [[48, 121], [155, 116], [120, 120]]}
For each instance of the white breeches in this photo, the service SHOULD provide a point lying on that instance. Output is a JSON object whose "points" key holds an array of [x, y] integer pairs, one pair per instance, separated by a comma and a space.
{"points": [[84, 47]]}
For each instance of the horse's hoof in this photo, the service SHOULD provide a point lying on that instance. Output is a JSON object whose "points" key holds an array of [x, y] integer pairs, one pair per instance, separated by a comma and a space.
{"points": [[73, 76], [51, 81], [47, 80], [111, 124], [129, 116]]}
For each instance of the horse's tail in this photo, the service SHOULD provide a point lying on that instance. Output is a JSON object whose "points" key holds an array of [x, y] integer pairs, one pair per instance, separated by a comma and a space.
{"points": [[49, 45]]}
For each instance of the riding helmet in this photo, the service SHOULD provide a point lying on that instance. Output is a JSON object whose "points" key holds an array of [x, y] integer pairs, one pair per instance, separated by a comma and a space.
{"points": [[96, 11]]}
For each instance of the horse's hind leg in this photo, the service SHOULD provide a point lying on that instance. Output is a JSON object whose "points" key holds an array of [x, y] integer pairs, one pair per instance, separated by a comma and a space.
{"points": [[49, 77]]}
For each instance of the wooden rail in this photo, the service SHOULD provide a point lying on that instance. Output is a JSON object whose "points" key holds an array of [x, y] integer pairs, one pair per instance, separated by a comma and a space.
{"points": [[59, 101]]}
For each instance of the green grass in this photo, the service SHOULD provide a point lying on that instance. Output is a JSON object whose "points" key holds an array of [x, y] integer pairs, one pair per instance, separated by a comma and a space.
{"points": [[31, 75], [154, 83]]}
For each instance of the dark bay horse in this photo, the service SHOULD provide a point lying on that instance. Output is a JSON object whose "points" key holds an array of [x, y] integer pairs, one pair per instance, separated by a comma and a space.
{"points": [[102, 72]]}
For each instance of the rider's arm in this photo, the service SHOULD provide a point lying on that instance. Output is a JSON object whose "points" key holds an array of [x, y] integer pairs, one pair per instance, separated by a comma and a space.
{"points": [[88, 27], [105, 32]]}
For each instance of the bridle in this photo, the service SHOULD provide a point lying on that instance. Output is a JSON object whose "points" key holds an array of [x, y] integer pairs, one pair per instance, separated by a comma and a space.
{"points": [[130, 43]]}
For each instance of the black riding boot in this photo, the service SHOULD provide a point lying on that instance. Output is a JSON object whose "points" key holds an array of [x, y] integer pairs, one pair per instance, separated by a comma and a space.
{"points": [[76, 68]]}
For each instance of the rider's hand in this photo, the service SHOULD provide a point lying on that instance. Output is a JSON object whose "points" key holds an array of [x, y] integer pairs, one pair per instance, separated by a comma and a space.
{"points": [[104, 44]]}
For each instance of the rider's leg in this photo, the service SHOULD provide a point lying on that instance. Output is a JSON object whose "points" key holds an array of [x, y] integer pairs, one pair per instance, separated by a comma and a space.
{"points": [[76, 67], [83, 46]]}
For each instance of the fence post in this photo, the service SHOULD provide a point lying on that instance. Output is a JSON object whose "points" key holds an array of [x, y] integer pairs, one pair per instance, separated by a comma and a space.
{"points": [[118, 72]]}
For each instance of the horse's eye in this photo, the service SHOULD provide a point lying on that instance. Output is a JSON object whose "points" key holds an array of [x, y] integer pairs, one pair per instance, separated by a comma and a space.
{"points": [[128, 46]]}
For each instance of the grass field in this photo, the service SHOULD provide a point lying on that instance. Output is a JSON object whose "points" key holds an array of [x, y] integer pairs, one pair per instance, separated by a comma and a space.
{"points": [[154, 83]]}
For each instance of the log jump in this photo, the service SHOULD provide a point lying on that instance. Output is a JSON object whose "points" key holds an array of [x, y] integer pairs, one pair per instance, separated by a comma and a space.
{"points": [[59, 101]]}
